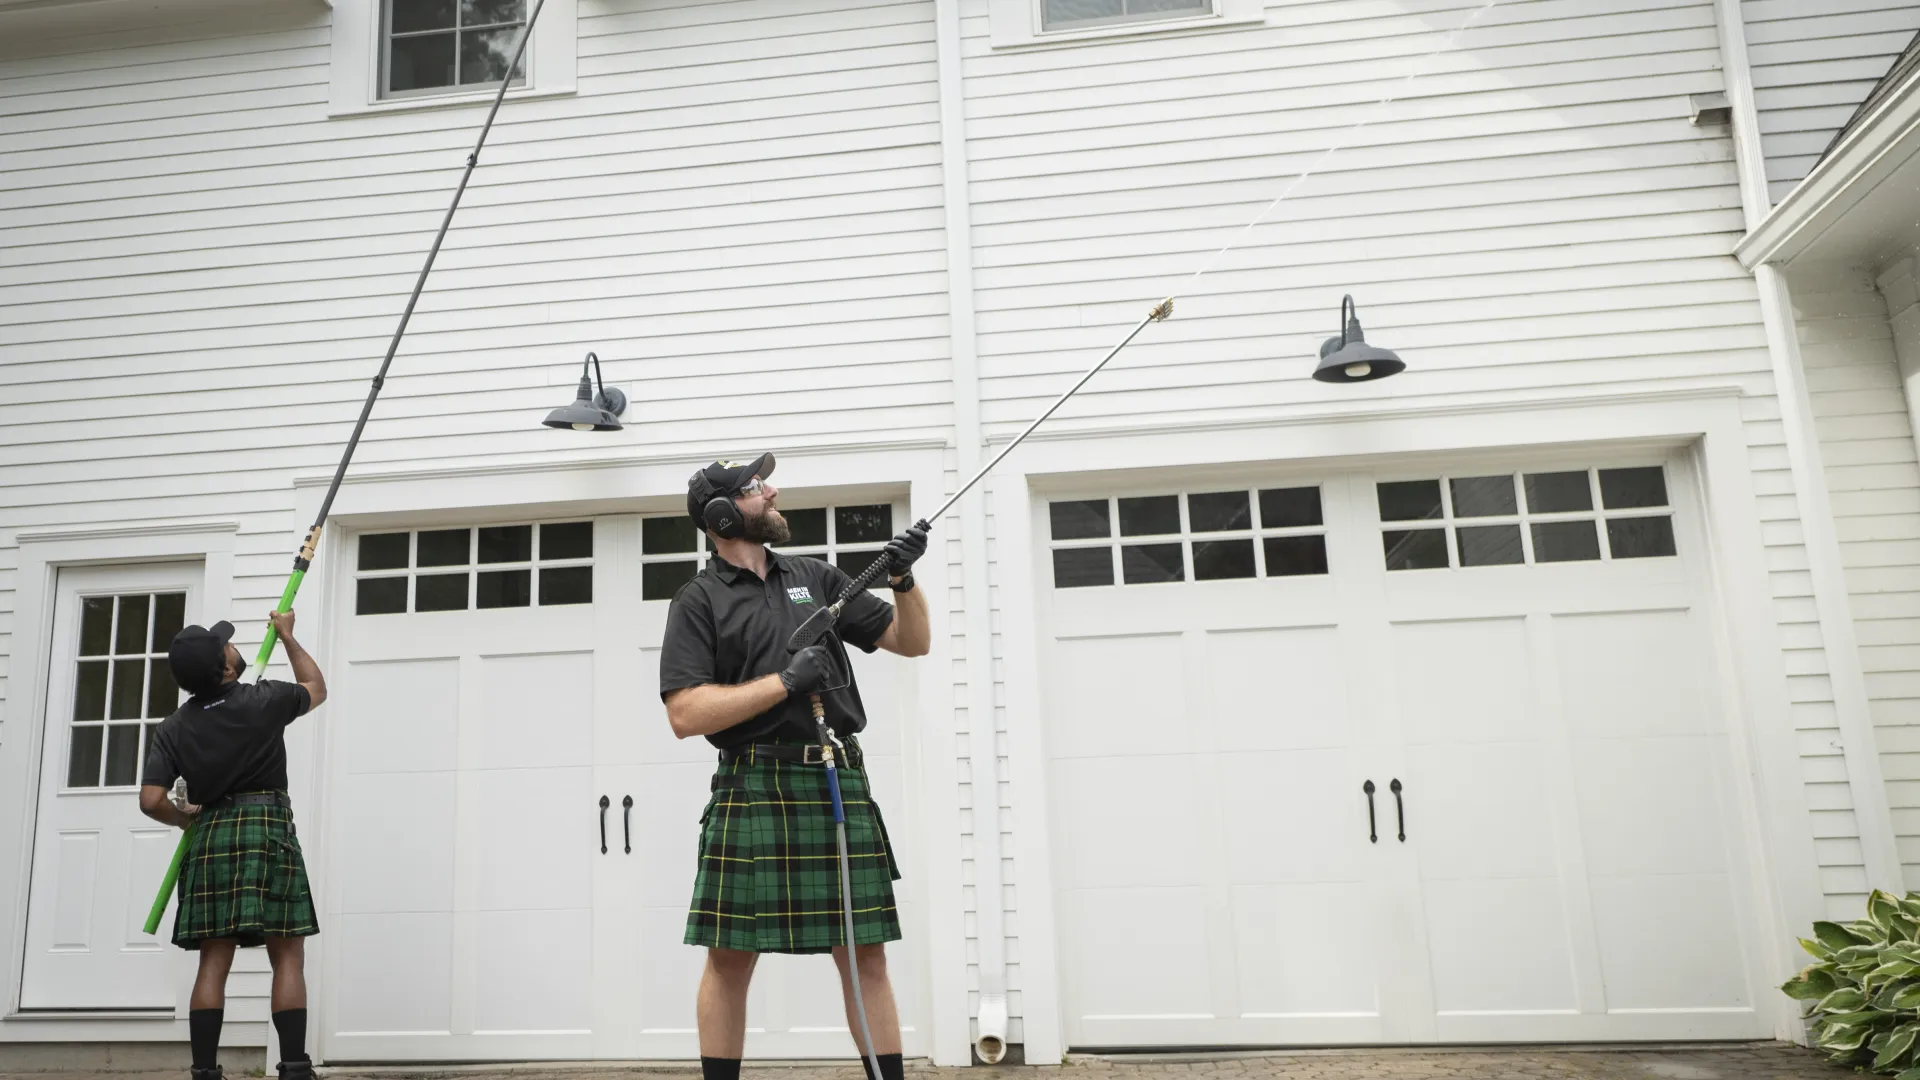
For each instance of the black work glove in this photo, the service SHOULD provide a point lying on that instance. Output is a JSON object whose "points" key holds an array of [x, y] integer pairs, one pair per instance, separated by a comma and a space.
{"points": [[811, 670], [905, 549]]}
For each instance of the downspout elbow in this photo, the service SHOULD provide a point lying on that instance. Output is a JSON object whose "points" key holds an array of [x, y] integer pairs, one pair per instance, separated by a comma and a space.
{"points": [[991, 1046]]}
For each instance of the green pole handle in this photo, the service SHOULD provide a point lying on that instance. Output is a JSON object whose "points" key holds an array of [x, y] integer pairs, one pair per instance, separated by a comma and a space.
{"points": [[273, 636]]}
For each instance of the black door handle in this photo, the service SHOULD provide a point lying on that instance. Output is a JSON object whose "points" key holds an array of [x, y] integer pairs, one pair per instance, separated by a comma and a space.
{"points": [[1400, 807], [626, 815], [604, 803], [1373, 834]]}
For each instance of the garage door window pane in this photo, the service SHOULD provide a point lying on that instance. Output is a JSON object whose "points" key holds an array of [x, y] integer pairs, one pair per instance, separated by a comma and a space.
{"points": [[1409, 500], [574, 539], [1622, 489], [1214, 560], [1219, 511], [163, 694], [1640, 538], [506, 543], [123, 754], [862, 524], [132, 634], [809, 527], [660, 580], [1565, 541], [440, 592], [1293, 556], [1147, 564], [1491, 545], [1483, 496], [1151, 515], [443, 547], [1417, 549], [1084, 519], [96, 626], [570, 584], [504, 588], [129, 689], [1290, 508], [855, 561], [666, 534], [169, 615], [1558, 493], [380, 596], [1075, 568], [384, 551]]}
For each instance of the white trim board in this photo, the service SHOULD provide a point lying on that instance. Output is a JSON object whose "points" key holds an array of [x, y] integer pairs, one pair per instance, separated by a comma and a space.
{"points": [[42, 554], [1775, 815]]}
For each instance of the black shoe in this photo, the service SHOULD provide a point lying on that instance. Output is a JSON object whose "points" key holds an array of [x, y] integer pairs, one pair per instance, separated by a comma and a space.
{"points": [[214, 1073], [294, 1070]]}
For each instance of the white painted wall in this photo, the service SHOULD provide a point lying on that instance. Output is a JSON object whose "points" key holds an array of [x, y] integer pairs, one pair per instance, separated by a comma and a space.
{"points": [[1814, 61], [1874, 481]]}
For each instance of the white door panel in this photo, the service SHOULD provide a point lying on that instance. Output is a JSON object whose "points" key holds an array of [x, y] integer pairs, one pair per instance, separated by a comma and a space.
{"points": [[97, 860]]}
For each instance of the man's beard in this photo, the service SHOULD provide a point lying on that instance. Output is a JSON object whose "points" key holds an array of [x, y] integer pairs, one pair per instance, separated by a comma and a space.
{"points": [[766, 527]]}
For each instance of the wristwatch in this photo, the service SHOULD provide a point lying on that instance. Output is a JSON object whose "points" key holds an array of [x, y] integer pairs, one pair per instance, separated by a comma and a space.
{"points": [[904, 584]]}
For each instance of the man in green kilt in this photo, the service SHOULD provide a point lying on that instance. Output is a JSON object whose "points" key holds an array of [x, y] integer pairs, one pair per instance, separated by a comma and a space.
{"points": [[243, 882], [768, 877]]}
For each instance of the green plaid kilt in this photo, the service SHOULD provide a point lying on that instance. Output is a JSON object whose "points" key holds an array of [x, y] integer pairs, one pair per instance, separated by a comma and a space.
{"points": [[769, 877], [243, 878]]}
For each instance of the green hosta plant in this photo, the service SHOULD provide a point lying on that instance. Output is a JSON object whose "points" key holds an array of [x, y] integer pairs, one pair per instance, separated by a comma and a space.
{"points": [[1863, 990]]}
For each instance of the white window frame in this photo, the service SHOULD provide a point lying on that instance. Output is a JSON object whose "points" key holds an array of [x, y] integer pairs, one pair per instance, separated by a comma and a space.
{"points": [[551, 63], [1016, 23]]}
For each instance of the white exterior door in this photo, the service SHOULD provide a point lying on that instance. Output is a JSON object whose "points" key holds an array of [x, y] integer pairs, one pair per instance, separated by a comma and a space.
{"points": [[1517, 659], [474, 914], [97, 861]]}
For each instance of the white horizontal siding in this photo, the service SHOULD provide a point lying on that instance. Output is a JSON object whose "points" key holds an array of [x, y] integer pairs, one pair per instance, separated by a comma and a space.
{"points": [[1814, 62], [1867, 448]]}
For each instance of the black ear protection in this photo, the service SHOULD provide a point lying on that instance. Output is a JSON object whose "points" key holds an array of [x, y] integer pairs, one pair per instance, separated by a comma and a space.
{"points": [[723, 518]]}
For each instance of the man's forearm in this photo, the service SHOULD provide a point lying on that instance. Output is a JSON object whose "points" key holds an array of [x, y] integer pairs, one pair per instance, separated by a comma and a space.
{"points": [[915, 636], [703, 710], [304, 668], [155, 804]]}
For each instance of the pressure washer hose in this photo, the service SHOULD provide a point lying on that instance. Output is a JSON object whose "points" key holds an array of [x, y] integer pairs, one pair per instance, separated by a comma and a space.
{"points": [[846, 881]]}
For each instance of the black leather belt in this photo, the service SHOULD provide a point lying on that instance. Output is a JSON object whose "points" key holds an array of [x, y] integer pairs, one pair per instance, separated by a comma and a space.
{"points": [[252, 798], [798, 753]]}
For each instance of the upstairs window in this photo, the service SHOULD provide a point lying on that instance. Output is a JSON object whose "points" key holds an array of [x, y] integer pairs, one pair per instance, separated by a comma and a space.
{"points": [[441, 46], [1091, 14]]}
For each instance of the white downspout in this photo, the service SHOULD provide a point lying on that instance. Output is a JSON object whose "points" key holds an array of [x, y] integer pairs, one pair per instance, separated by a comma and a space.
{"points": [[1879, 854], [990, 1041]]}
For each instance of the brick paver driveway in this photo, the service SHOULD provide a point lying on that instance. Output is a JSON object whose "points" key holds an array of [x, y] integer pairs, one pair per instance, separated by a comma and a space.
{"points": [[1746, 1061]]}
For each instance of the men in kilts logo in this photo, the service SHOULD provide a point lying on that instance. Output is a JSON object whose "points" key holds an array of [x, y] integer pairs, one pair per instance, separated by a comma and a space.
{"points": [[243, 882], [768, 877]]}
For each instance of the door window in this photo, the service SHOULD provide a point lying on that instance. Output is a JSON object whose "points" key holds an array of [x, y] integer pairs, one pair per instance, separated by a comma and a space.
{"points": [[493, 566], [1207, 535], [850, 537], [122, 686], [1580, 515]]}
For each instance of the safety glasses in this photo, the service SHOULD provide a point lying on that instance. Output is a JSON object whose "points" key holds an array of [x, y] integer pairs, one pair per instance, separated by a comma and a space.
{"points": [[753, 487]]}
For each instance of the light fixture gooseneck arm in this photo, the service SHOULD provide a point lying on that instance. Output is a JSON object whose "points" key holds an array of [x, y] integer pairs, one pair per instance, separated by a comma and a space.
{"points": [[600, 395], [1348, 316]]}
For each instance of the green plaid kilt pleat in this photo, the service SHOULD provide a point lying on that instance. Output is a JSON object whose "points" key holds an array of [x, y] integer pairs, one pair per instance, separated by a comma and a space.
{"points": [[243, 878], [769, 876]]}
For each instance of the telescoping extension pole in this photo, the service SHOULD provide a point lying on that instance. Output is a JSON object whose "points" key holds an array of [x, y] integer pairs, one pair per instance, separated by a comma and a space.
{"points": [[304, 558]]}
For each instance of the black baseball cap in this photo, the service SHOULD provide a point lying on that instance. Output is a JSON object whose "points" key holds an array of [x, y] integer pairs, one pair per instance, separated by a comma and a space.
{"points": [[198, 657], [722, 478]]}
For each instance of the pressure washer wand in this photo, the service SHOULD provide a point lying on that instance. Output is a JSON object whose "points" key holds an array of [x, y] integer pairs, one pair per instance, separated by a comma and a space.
{"points": [[846, 880], [824, 620], [304, 558]]}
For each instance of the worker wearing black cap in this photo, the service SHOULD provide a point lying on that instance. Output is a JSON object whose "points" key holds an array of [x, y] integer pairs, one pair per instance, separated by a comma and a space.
{"points": [[767, 849], [243, 882]]}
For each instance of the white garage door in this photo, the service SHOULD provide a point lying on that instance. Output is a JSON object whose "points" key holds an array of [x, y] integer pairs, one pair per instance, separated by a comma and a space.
{"points": [[1397, 757], [496, 710]]}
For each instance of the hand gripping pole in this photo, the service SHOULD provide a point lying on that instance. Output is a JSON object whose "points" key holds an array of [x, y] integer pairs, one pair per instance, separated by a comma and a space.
{"points": [[304, 560]]}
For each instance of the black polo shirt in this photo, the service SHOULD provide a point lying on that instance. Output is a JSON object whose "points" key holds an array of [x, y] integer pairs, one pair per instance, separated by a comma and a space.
{"points": [[228, 741], [727, 626]]}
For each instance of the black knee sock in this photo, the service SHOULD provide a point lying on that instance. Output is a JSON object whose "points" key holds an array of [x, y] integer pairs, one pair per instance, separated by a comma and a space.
{"points": [[719, 1068], [203, 1027], [292, 1027], [891, 1067]]}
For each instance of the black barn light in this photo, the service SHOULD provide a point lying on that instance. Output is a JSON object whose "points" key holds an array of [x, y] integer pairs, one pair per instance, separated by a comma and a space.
{"points": [[590, 411], [1349, 359]]}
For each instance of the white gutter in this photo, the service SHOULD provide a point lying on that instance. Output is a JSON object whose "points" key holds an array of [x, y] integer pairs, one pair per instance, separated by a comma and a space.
{"points": [[1874, 821], [990, 1042], [1879, 144]]}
